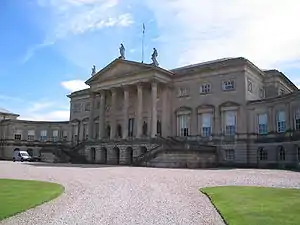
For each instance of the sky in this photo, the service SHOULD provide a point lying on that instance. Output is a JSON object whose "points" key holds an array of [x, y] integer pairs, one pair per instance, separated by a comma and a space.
{"points": [[48, 47]]}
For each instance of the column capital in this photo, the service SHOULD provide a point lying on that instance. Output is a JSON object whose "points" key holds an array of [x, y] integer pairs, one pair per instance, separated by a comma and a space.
{"points": [[140, 84], [113, 91], [125, 87]]}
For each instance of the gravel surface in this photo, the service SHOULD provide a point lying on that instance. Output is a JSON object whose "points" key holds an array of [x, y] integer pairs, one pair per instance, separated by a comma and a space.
{"points": [[128, 195]]}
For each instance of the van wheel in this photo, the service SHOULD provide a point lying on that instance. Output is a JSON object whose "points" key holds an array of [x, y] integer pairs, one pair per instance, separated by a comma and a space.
{"points": [[14, 159], [22, 159]]}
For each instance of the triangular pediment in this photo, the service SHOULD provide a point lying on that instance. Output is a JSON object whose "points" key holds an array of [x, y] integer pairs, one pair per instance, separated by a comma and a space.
{"points": [[118, 67]]}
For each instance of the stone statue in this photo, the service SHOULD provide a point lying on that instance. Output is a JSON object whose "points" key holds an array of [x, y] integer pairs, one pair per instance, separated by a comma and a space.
{"points": [[122, 52], [154, 56], [93, 70]]}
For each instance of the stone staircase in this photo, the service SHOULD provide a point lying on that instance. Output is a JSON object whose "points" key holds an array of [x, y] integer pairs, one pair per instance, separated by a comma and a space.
{"points": [[177, 153], [74, 154]]}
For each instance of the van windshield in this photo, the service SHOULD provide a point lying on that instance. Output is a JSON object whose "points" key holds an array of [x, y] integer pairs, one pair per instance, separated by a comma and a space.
{"points": [[24, 154]]}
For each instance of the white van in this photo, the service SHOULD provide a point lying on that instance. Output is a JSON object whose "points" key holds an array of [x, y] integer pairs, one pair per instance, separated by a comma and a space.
{"points": [[20, 155]]}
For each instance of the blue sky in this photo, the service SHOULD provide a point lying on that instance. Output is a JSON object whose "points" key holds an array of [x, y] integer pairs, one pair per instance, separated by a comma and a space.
{"points": [[49, 46]]}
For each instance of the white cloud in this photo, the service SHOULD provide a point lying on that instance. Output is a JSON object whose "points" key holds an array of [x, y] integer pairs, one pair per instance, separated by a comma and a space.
{"points": [[44, 110], [265, 32], [74, 85], [56, 115], [74, 17]]}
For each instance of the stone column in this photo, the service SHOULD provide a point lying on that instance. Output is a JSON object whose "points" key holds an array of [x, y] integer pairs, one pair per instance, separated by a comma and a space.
{"points": [[166, 122], [113, 124], [91, 117], [154, 109], [139, 110], [102, 114], [125, 112]]}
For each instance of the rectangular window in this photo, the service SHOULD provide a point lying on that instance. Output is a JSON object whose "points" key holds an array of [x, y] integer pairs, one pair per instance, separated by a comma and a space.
{"points": [[281, 123], [228, 85], [130, 127], [43, 135], [205, 89], [263, 123], [183, 92], [230, 122], [55, 135], [183, 123], [87, 107], [262, 93], [31, 135], [297, 120], [76, 107], [85, 131], [206, 124], [74, 132], [18, 134], [229, 155], [281, 92], [250, 88], [65, 135]]}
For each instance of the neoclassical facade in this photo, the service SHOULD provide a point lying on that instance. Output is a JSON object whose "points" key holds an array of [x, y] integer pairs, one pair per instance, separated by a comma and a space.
{"points": [[226, 111]]}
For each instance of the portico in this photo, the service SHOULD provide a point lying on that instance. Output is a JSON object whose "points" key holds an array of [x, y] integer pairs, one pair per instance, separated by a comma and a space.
{"points": [[129, 97]]}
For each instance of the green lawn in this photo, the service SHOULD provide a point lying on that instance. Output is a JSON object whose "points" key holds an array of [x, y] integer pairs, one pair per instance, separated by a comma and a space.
{"points": [[19, 195], [256, 205]]}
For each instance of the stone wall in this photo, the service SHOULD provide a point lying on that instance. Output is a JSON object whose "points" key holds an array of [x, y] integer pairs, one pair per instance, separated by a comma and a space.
{"points": [[184, 159]]}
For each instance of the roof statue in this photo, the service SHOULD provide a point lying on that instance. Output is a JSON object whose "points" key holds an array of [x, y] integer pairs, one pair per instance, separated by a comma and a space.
{"points": [[93, 70], [122, 52], [154, 56]]}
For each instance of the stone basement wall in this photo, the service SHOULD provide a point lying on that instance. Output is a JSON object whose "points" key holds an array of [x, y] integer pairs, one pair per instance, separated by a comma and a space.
{"points": [[184, 159], [111, 156]]}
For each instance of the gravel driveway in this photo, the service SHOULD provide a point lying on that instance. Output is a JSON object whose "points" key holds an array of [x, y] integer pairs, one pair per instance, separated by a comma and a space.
{"points": [[130, 195]]}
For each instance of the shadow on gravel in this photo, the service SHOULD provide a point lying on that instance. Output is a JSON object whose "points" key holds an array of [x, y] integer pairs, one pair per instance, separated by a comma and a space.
{"points": [[73, 165]]}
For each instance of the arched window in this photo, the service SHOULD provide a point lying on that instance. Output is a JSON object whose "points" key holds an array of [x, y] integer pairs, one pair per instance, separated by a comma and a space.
{"points": [[281, 153], [263, 154]]}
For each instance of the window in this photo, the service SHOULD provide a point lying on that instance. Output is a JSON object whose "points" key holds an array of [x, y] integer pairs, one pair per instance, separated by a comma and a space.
{"points": [[30, 135], [297, 120], [298, 154], [183, 124], [229, 155], [183, 92], [228, 85], [74, 132], [65, 135], [281, 153], [262, 93], [230, 122], [263, 154], [43, 135], [205, 89], [206, 124], [263, 123], [85, 131], [87, 107], [76, 107], [130, 127], [250, 85], [55, 135], [281, 124], [281, 92], [18, 134]]}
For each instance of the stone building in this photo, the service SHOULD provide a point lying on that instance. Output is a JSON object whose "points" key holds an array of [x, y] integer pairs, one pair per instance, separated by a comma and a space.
{"points": [[222, 112]]}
